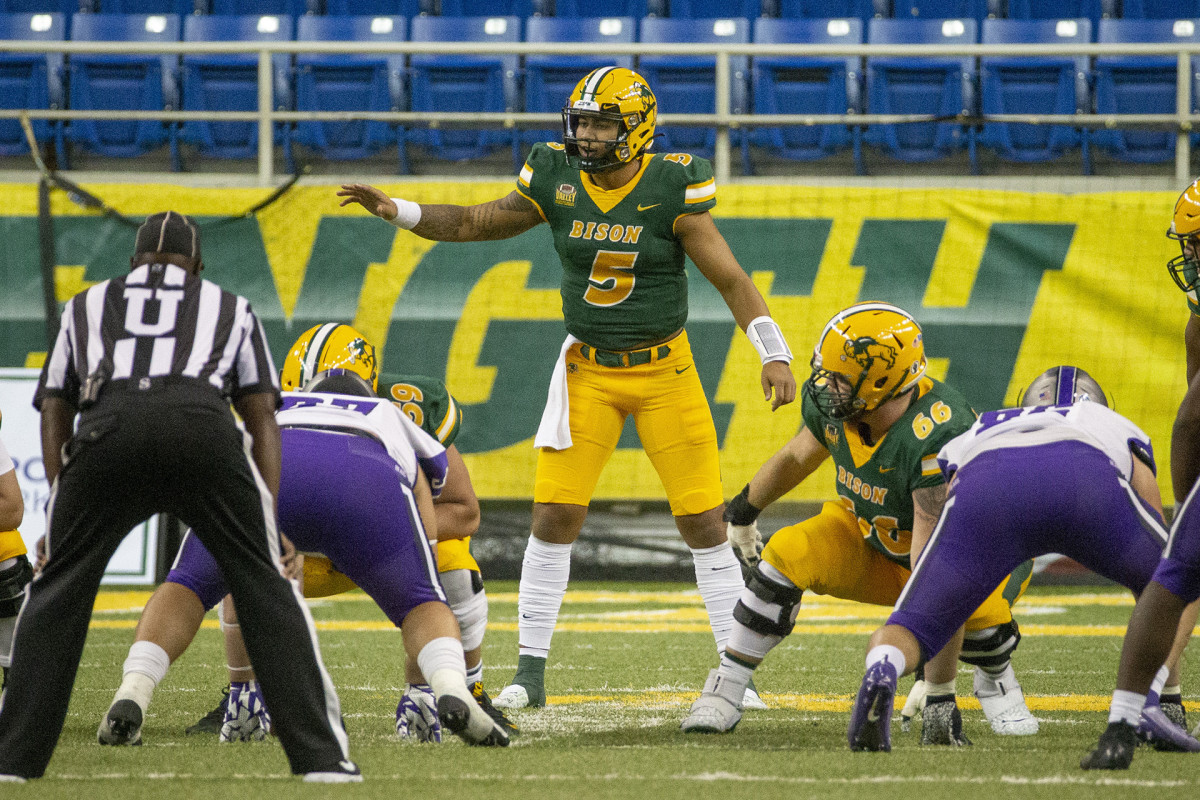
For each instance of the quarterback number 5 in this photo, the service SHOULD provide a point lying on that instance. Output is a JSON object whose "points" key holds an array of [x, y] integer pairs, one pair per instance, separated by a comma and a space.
{"points": [[922, 425], [611, 280]]}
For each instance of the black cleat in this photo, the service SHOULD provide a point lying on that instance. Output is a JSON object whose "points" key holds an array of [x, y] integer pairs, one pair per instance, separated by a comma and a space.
{"points": [[941, 722], [455, 715], [485, 702], [212, 721], [122, 725], [1115, 748]]}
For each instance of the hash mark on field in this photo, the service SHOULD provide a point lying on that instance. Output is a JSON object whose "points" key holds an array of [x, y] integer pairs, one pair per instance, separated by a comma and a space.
{"points": [[651, 699]]}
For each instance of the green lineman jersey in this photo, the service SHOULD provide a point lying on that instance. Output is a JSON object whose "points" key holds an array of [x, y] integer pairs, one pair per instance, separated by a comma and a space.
{"points": [[427, 403], [877, 482], [623, 268]]}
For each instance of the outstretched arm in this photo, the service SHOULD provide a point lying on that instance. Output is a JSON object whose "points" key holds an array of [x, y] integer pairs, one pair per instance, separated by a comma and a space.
{"points": [[498, 219]]}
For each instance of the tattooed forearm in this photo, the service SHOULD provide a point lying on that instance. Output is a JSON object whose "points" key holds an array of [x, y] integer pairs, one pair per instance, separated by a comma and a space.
{"points": [[499, 219], [929, 502], [441, 223]]}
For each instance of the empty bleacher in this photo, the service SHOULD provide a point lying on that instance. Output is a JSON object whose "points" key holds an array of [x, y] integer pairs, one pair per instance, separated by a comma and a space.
{"points": [[958, 96]]}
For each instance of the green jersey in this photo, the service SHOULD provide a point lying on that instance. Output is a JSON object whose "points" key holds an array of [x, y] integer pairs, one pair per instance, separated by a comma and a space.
{"points": [[623, 282], [877, 480], [427, 402]]}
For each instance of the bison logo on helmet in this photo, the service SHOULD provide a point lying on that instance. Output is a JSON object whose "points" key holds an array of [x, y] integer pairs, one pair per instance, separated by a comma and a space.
{"points": [[363, 352], [865, 349]]}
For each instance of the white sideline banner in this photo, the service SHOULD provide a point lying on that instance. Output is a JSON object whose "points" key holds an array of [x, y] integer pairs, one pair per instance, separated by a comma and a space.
{"points": [[134, 561]]}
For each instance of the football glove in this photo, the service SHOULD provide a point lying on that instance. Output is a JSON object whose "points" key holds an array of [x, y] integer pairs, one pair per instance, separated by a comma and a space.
{"points": [[417, 716], [246, 717], [746, 540]]}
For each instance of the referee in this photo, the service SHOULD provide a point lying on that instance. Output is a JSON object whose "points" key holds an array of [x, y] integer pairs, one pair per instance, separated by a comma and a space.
{"points": [[150, 362]]}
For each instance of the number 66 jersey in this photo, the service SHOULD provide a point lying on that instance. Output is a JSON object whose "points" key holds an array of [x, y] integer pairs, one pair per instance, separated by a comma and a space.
{"points": [[876, 480]]}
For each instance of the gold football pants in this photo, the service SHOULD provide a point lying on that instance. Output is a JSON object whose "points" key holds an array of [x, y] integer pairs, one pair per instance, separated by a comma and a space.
{"points": [[827, 554], [673, 421]]}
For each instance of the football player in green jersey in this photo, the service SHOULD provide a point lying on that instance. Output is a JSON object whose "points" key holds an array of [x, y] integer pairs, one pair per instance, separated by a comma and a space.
{"points": [[870, 406], [623, 219]]}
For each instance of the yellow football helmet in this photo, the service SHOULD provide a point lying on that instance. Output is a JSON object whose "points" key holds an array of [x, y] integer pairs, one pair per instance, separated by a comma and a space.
{"points": [[1185, 226], [325, 347], [867, 354], [619, 95]]}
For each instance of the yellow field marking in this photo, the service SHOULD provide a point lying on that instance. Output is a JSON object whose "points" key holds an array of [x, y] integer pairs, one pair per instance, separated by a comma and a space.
{"points": [[122, 600], [849, 629]]}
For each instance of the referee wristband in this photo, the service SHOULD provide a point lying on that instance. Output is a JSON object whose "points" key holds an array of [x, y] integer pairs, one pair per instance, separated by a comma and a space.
{"points": [[768, 340], [740, 511], [408, 214]]}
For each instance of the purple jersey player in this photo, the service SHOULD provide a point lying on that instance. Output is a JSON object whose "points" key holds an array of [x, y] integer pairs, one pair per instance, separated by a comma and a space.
{"points": [[1082, 478], [356, 486]]}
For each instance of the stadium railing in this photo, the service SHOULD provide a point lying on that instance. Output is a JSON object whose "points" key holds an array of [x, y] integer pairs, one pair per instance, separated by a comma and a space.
{"points": [[1182, 122]]}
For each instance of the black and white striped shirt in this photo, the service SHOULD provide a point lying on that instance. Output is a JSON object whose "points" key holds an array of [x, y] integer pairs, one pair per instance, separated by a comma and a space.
{"points": [[159, 322]]}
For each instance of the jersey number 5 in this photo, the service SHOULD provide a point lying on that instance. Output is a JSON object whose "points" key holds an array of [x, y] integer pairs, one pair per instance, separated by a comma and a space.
{"points": [[611, 280]]}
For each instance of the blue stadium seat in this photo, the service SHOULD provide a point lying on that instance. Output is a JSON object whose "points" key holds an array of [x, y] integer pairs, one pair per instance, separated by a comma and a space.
{"points": [[1140, 85], [941, 9], [1160, 9], [831, 9], [467, 83], [31, 80], [933, 86], [180, 7], [64, 7], [291, 8], [711, 9], [123, 83], [808, 85], [484, 8], [599, 8], [550, 79], [374, 8], [350, 82], [229, 82], [1043, 85], [685, 84], [1093, 10]]}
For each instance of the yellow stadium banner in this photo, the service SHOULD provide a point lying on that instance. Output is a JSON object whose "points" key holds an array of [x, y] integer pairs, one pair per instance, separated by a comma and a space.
{"points": [[1005, 284]]}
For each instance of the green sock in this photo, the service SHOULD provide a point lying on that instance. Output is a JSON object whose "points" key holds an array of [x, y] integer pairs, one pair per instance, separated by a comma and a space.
{"points": [[531, 672]]}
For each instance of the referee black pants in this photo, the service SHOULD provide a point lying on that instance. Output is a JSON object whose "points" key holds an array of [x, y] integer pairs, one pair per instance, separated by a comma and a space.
{"points": [[177, 451]]}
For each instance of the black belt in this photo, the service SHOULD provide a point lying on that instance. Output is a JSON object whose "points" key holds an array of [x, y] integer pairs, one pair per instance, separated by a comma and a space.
{"points": [[624, 358]]}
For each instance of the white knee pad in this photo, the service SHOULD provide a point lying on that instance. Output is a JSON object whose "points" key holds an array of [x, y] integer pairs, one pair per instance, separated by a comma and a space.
{"points": [[468, 601]]}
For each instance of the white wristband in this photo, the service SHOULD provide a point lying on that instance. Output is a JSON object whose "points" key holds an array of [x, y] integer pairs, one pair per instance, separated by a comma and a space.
{"points": [[768, 340], [408, 214]]}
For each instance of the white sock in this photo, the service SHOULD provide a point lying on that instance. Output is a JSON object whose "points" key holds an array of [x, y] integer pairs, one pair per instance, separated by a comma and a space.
{"points": [[990, 682], [1175, 689], [1126, 707], [1160, 680], [719, 579], [475, 673], [935, 689], [893, 655], [545, 570], [441, 662], [145, 667], [734, 673]]}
